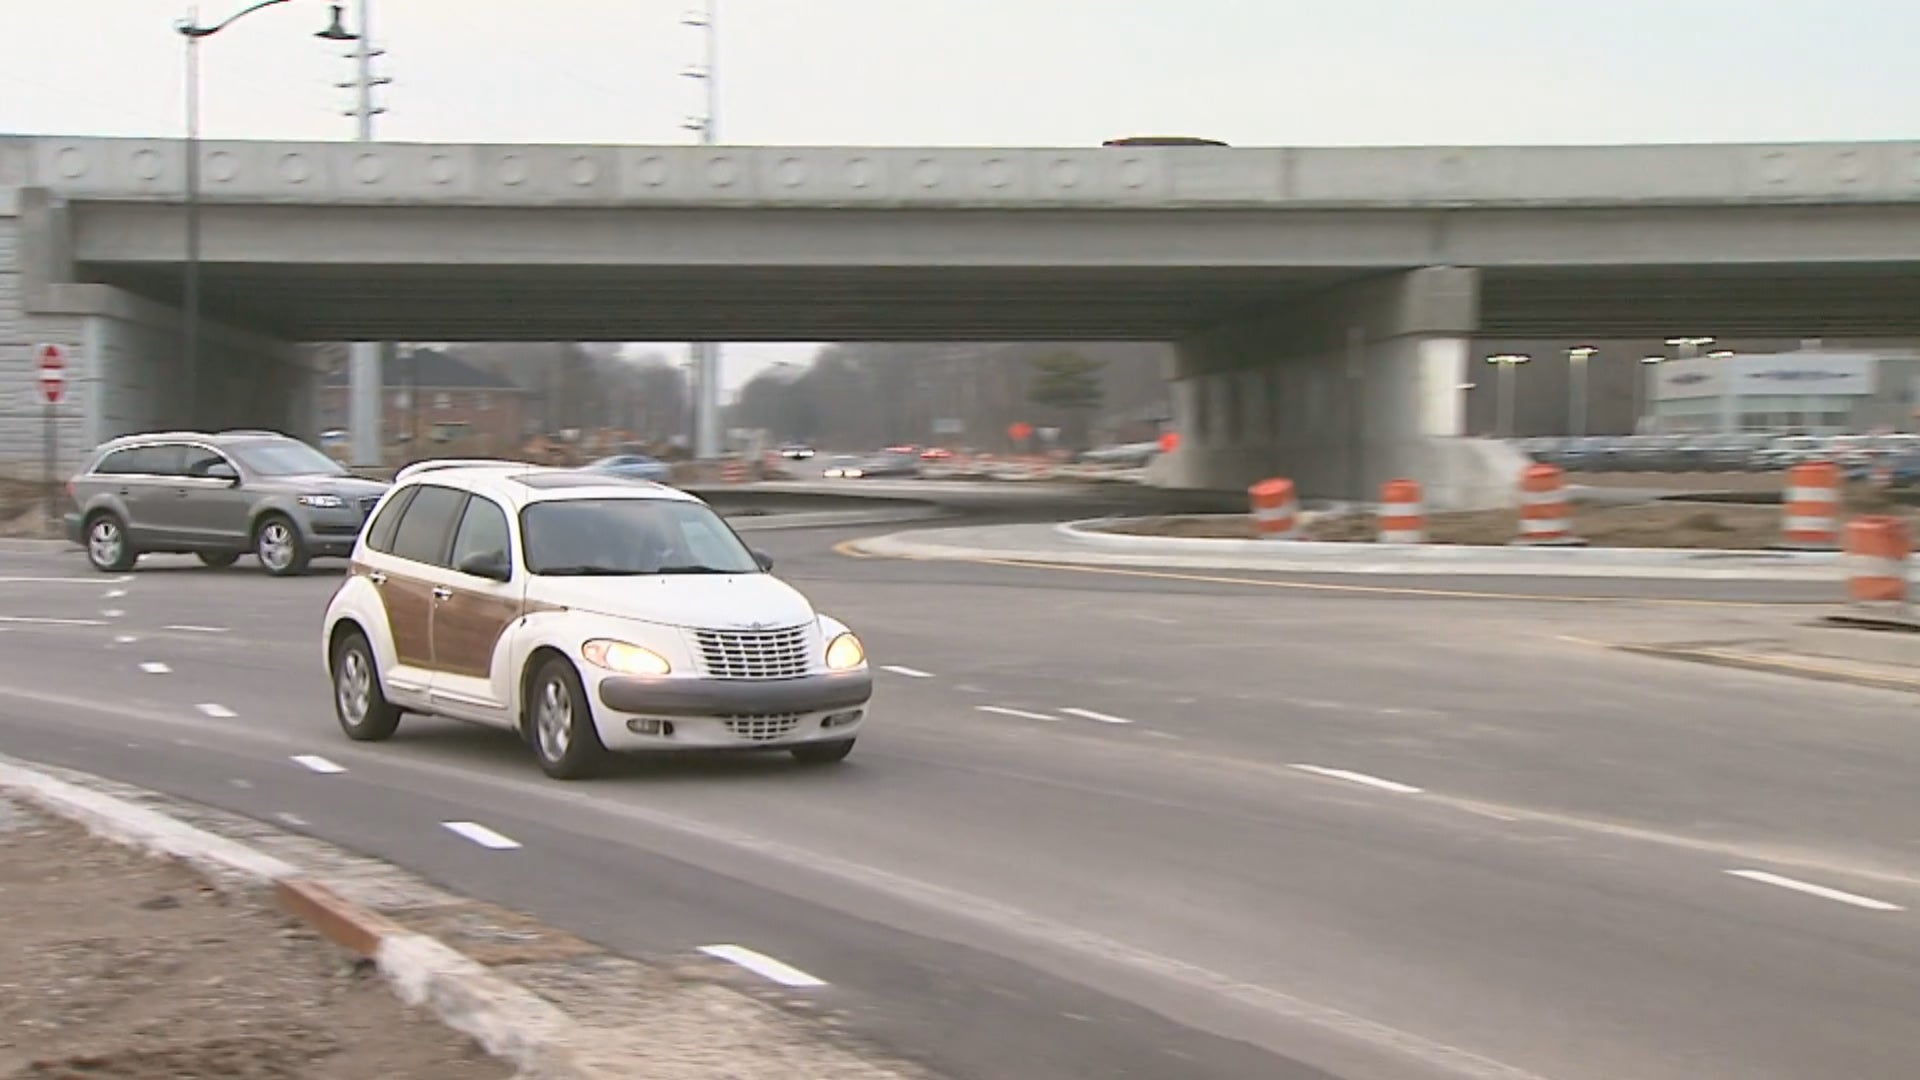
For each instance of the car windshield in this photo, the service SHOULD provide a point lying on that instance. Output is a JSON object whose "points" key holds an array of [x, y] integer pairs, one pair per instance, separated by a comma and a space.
{"points": [[624, 536], [285, 457]]}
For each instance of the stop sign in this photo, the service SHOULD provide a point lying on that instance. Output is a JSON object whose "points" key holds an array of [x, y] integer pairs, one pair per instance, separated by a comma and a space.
{"points": [[52, 360]]}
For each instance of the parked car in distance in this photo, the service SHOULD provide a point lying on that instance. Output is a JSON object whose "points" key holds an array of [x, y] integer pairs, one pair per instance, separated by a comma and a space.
{"points": [[891, 463], [583, 613], [217, 496], [633, 467], [796, 452], [1788, 450], [844, 467]]}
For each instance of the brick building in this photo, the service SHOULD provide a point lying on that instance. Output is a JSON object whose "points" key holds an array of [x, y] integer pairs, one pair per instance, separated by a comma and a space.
{"points": [[439, 400]]}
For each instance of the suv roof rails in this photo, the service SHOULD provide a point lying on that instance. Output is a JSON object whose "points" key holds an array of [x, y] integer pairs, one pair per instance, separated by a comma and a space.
{"points": [[252, 431], [436, 464]]}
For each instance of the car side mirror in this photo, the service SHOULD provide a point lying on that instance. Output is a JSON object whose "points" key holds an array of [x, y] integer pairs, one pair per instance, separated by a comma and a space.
{"points": [[763, 560], [491, 565], [222, 471]]}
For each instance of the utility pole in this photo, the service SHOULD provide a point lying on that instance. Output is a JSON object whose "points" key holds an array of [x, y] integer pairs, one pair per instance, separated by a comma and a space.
{"points": [[706, 354], [364, 381]]}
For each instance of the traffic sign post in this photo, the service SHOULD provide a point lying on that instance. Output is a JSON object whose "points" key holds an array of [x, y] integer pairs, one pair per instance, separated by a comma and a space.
{"points": [[52, 362]]}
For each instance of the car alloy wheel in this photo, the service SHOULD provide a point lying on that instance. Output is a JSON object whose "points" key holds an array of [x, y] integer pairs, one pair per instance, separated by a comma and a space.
{"points": [[354, 689], [553, 719], [106, 544], [275, 546]]}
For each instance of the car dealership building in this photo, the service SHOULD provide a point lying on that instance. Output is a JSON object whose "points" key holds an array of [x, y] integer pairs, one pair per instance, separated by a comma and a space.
{"points": [[1815, 392]]}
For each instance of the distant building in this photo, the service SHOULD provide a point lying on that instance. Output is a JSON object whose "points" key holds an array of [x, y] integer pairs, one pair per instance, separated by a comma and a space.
{"points": [[436, 397], [1816, 392]]}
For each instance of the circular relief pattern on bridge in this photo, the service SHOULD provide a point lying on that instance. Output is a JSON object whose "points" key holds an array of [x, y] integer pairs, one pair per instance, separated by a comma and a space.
{"points": [[722, 172], [926, 173], [71, 162], [1451, 169], [583, 171], [514, 170], [369, 168], [146, 165], [1064, 172], [441, 169], [1134, 173], [1776, 168], [791, 172], [862, 172], [222, 166], [997, 173], [294, 169], [652, 171], [1849, 168]]}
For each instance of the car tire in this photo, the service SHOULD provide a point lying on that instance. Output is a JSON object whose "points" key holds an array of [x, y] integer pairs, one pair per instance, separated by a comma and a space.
{"points": [[823, 753], [108, 548], [218, 560], [278, 546], [560, 723], [361, 706]]}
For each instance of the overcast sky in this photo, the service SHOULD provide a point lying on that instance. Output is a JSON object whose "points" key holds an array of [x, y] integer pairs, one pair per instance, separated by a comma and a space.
{"points": [[995, 72]]}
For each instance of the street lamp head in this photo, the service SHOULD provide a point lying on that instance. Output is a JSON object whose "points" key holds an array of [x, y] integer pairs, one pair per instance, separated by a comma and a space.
{"points": [[1509, 358], [1720, 354], [1581, 353], [1653, 359], [337, 28]]}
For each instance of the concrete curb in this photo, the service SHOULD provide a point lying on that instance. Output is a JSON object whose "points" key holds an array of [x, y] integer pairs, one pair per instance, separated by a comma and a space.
{"points": [[20, 546], [1733, 658], [508, 1021], [824, 519]]}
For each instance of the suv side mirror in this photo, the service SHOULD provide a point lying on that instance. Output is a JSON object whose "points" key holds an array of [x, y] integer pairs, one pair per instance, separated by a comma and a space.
{"points": [[220, 470], [491, 565], [763, 560]]}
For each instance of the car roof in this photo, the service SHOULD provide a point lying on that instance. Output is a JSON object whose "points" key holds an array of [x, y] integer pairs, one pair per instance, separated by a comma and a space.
{"points": [[518, 483], [217, 438]]}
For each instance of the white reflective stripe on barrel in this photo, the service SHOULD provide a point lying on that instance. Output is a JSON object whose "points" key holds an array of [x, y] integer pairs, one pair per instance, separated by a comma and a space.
{"points": [[1812, 495], [1402, 536], [1273, 513], [1401, 509], [1543, 498], [1824, 525], [1545, 525]]}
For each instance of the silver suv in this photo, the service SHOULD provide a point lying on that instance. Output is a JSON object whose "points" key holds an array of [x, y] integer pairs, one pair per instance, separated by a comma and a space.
{"points": [[219, 497]]}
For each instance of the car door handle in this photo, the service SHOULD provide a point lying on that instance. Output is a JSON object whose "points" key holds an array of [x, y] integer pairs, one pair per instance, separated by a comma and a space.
{"points": [[378, 577], [441, 592]]}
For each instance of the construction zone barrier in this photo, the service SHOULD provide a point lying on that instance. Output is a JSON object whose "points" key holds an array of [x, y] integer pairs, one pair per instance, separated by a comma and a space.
{"points": [[1546, 515], [1274, 509], [1877, 550], [734, 472], [1811, 502], [1402, 518]]}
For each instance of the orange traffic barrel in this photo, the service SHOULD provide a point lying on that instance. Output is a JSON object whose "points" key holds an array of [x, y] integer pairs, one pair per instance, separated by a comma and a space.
{"points": [[1274, 509], [1811, 521], [1876, 562], [1403, 520], [1546, 516]]}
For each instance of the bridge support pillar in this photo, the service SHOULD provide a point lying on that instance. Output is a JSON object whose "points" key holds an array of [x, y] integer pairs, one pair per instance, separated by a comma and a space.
{"points": [[1340, 391]]}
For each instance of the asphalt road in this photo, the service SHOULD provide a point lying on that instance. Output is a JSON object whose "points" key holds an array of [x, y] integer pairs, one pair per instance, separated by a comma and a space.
{"points": [[1127, 826]]}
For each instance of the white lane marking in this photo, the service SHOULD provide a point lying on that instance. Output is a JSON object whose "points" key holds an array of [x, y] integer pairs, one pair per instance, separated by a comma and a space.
{"points": [[188, 628], [1002, 710], [294, 820], [481, 835], [243, 785], [124, 639], [111, 613], [1360, 778], [155, 667], [1104, 718], [762, 965], [911, 673], [113, 594], [322, 765], [15, 579], [39, 620], [1159, 734], [1821, 891], [218, 712]]}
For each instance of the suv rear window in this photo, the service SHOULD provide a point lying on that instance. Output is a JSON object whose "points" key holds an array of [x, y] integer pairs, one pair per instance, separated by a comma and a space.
{"points": [[165, 459]]}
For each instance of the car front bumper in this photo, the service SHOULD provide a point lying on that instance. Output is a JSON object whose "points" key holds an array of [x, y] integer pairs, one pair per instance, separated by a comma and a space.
{"points": [[640, 713]]}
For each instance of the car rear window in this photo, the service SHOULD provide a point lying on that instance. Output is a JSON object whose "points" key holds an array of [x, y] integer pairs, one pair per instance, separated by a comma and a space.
{"points": [[380, 533], [425, 532]]}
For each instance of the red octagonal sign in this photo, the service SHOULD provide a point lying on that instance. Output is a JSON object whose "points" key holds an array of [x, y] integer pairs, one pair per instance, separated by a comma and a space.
{"points": [[53, 372]]}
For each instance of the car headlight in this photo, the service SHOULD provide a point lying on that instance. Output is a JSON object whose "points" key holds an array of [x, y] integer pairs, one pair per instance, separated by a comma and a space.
{"points": [[322, 502], [845, 652], [623, 658]]}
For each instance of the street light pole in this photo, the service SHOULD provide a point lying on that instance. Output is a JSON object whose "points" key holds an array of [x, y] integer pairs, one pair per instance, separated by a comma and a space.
{"points": [[190, 29], [1506, 362], [706, 354], [1640, 390], [1577, 358]]}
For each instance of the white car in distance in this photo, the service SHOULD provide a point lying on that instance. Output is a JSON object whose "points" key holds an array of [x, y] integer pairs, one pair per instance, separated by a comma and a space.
{"points": [[586, 614]]}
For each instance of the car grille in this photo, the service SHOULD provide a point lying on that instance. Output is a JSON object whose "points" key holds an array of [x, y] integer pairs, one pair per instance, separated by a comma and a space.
{"points": [[762, 728], [753, 654]]}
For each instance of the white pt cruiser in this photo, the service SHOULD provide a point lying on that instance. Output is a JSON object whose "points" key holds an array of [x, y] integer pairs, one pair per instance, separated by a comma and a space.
{"points": [[585, 613]]}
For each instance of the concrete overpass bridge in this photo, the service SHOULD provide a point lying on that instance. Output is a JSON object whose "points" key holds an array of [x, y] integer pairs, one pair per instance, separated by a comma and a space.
{"points": [[1311, 291]]}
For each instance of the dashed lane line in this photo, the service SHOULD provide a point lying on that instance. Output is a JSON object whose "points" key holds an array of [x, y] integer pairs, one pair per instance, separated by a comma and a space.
{"points": [[155, 667], [328, 768], [763, 965], [911, 673], [215, 710], [1811, 889], [1002, 710], [188, 628], [124, 639], [1089, 714], [113, 594], [41, 620], [481, 835], [111, 613], [1352, 777]]}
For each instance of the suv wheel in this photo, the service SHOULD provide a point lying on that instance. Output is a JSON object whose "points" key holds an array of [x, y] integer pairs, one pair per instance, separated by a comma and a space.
{"points": [[108, 548], [363, 709], [560, 722], [218, 559], [278, 546]]}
